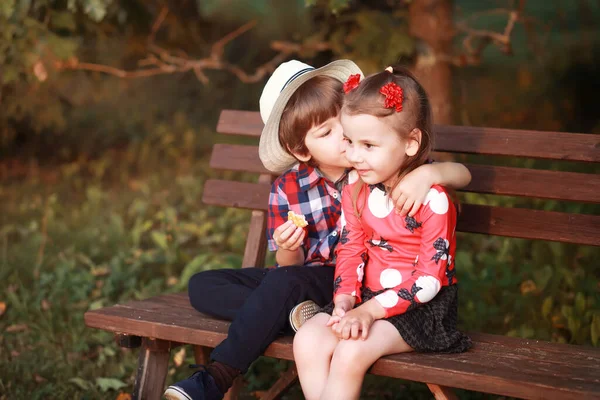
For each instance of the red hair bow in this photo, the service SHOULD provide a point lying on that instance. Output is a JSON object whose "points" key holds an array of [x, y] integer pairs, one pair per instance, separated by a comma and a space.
{"points": [[351, 83], [393, 96]]}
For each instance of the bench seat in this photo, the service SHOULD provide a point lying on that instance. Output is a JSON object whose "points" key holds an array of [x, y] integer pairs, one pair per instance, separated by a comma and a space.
{"points": [[496, 364]]}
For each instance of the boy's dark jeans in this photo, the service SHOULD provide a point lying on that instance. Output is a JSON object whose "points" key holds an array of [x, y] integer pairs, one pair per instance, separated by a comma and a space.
{"points": [[258, 302]]}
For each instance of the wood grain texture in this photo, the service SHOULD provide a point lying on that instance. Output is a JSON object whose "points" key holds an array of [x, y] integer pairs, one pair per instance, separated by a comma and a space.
{"points": [[256, 242], [534, 183], [153, 363], [496, 364], [530, 224], [441, 392], [466, 139], [202, 354]]}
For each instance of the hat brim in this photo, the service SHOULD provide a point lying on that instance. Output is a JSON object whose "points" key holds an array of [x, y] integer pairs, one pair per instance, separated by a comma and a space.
{"points": [[273, 156]]}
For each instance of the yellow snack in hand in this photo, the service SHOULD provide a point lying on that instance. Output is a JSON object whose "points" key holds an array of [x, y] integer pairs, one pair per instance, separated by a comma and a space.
{"points": [[297, 219]]}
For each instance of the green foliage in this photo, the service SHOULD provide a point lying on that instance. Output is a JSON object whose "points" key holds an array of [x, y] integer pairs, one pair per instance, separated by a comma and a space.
{"points": [[374, 32], [95, 9], [370, 34], [37, 31], [87, 234], [335, 6], [528, 289], [34, 35]]}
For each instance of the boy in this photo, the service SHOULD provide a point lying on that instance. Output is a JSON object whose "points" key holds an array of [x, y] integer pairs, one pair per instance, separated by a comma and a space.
{"points": [[302, 136]]}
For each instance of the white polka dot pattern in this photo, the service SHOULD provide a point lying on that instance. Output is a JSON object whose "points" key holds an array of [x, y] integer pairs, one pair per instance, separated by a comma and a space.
{"points": [[429, 285], [438, 202], [379, 204], [387, 299], [390, 278]]}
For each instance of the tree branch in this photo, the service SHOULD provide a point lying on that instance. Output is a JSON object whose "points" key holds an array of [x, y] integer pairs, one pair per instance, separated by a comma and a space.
{"points": [[160, 61], [157, 23], [476, 40]]}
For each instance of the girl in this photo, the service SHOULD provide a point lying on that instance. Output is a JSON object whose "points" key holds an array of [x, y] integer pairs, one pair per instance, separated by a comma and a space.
{"points": [[395, 285]]}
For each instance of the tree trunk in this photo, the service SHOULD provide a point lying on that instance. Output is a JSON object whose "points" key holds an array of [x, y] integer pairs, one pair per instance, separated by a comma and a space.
{"points": [[431, 22]]}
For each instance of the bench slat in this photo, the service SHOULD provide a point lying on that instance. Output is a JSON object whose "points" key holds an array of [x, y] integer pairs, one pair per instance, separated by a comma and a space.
{"points": [[557, 185], [496, 364], [466, 139], [179, 304], [510, 222], [251, 196], [530, 224], [237, 157]]}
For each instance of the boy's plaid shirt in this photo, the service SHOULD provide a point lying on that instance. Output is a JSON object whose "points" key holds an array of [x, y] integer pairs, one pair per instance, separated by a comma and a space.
{"points": [[304, 190]]}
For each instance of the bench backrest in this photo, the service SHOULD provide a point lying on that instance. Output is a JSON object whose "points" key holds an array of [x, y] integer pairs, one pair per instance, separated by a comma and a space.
{"points": [[487, 178]]}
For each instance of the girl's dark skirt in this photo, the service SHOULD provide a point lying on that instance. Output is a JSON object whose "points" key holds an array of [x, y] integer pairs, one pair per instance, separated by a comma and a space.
{"points": [[429, 327]]}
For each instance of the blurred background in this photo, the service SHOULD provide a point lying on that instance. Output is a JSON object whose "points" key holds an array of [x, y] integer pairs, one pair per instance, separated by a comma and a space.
{"points": [[108, 111]]}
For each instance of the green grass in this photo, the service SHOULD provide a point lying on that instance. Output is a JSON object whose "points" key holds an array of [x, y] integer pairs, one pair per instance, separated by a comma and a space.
{"points": [[130, 225]]}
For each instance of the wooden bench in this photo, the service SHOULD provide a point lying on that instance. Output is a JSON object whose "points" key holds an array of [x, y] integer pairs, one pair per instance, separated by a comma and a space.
{"points": [[496, 364]]}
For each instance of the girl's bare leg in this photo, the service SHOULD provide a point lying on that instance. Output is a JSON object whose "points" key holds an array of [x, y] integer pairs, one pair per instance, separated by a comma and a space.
{"points": [[352, 358], [314, 344]]}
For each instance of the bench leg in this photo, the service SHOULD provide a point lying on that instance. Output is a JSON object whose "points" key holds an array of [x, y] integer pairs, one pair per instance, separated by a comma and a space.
{"points": [[234, 392], [441, 392], [285, 381], [152, 368], [201, 354]]}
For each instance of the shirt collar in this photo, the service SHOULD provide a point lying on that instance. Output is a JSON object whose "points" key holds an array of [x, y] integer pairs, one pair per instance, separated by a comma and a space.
{"points": [[309, 176]]}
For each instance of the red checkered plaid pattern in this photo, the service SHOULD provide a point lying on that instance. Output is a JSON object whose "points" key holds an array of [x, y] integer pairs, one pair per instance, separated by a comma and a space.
{"points": [[304, 190]]}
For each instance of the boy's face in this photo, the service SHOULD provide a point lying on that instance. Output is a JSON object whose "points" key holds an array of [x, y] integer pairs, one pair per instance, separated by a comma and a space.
{"points": [[325, 144]]}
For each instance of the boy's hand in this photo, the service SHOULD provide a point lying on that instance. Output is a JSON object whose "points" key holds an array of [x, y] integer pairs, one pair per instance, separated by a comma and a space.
{"points": [[343, 304], [412, 190], [288, 236]]}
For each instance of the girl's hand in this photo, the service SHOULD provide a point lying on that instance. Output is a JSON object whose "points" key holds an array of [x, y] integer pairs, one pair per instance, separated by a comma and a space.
{"points": [[288, 236], [412, 190], [343, 304], [355, 324]]}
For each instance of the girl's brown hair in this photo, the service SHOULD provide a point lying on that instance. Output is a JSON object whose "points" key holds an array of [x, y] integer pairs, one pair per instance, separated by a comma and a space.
{"points": [[416, 113], [313, 103]]}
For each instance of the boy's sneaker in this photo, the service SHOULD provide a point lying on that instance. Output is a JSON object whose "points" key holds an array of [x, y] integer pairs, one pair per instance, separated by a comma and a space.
{"points": [[199, 386], [302, 313]]}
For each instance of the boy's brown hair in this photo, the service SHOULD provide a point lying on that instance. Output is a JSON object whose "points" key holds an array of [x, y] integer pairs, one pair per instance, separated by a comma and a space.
{"points": [[313, 103]]}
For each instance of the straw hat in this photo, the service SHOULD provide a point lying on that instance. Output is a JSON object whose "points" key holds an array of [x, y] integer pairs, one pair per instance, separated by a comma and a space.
{"points": [[279, 88]]}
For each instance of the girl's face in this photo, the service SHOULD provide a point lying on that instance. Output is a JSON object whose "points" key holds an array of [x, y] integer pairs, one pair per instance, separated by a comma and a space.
{"points": [[373, 148]]}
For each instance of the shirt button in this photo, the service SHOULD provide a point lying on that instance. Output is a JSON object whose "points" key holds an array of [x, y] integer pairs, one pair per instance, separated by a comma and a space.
{"points": [[334, 233], [335, 195]]}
